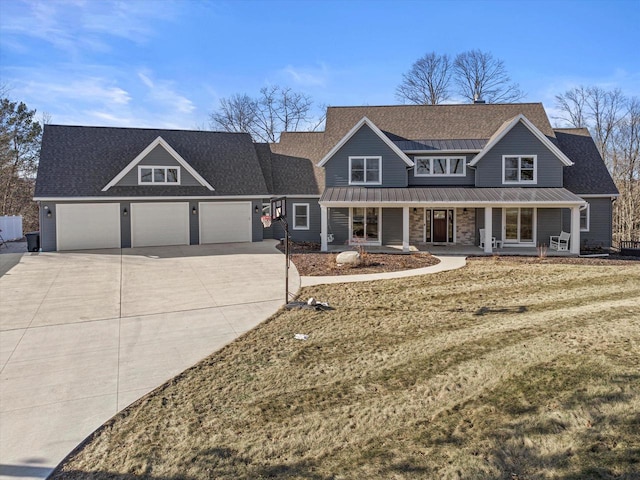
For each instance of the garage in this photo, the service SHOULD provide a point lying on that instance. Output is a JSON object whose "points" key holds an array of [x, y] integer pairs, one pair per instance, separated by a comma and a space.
{"points": [[158, 224], [225, 222], [87, 226]]}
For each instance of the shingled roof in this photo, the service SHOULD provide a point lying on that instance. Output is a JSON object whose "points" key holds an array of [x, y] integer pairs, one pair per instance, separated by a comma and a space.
{"points": [[589, 174], [80, 161]]}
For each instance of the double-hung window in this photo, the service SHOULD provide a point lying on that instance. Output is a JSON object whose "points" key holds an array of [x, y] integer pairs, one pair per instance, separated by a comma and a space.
{"points": [[301, 216], [584, 218], [519, 169], [158, 175], [365, 170], [439, 166]]}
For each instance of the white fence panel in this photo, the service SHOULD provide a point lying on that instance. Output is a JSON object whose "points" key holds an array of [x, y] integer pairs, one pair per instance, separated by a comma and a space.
{"points": [[11, 228]]}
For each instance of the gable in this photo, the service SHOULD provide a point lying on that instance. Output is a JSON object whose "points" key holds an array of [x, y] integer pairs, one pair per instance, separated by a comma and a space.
{"points": [[158, 154], [365, 122], [507, 127], [519, 141]]}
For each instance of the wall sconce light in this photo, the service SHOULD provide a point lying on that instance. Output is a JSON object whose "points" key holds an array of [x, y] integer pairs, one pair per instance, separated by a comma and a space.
{"points": [[464, 210], [125, 212], [49, 214], [415, 210], [194, 211], [256, 209]]}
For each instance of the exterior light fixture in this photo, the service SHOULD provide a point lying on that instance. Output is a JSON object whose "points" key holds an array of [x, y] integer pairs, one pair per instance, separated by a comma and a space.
{"points": [[48, 213], [125, 212], [415, 210], [256, 209], [194, 211]]}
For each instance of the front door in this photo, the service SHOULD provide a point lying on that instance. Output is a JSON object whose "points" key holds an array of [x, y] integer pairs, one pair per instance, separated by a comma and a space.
{"points": [[440, 226]]}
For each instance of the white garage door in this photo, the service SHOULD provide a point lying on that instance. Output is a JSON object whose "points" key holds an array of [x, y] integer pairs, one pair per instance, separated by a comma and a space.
{"points": [[225, 222], [88, 225], [156, 224]]}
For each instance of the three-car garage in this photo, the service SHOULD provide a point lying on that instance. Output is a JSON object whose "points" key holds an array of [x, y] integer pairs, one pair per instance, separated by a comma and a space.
{"points": [[81, 226]]}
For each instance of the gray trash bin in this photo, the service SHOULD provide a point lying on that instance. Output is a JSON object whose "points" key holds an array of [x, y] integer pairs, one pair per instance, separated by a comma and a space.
{"points": [[33, 241]]}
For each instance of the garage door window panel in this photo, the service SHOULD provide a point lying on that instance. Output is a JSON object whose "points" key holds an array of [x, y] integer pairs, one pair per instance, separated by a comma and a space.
{"points": [[148, 175]]}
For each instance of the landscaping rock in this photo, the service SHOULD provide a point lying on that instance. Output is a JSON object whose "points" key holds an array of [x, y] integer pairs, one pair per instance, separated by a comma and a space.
{"points": [[352, 258]]}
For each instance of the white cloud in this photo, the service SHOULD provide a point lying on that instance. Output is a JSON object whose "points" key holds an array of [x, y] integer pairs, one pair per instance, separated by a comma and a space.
{"points": [[308, 76], [163, 93]]}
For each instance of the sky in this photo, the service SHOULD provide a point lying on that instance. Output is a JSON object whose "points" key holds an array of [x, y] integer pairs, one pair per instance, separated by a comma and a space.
{"points": [[167, 64]]}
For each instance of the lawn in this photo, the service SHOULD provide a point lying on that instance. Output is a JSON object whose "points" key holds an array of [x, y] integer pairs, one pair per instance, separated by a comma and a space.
{"points": [[499, 370]]}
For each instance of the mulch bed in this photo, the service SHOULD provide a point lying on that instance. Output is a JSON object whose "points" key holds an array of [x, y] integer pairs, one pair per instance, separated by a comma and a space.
{"points": [[310, 261]]}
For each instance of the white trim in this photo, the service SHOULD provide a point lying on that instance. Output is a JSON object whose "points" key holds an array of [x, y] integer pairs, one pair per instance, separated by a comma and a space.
{"points": [[438, 152], [365, 158], [586, 208], [506, 128], [377, 131], [598, 195], [521, 182], [519, 242], [379, 242], [538, 204], [293, 207], [168, 197], [159, 167], [448, 163], [158, 141]]}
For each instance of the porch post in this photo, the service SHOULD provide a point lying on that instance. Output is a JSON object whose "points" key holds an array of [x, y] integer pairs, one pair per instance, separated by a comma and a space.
{"points": [[323, 228], [488, 229], [574, 243], [405, 229]]}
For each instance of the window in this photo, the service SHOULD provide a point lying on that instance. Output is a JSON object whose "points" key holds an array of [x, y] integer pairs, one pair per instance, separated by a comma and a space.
{"points": [[519, 169], [365, 170], [159, 175], [301, 216], [440, 166], [365, 225], [584, 218]]}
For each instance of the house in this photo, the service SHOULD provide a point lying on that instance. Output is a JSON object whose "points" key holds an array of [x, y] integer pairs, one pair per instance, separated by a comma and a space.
{"points": [[391, 175]]}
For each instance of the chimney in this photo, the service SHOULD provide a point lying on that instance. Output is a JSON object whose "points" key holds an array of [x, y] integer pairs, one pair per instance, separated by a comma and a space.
{"points": [[477, 99]]}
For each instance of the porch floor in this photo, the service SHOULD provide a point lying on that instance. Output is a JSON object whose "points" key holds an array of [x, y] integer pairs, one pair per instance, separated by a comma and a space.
{"points": [[453, 250]]}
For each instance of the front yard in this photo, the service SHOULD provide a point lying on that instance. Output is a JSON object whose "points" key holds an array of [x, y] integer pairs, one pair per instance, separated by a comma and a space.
{"points": [[500, 370]]}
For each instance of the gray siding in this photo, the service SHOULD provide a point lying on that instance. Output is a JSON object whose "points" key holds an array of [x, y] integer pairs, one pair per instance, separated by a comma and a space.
{"points": [[468, 179], [549, 223], [194, 223], [125, 225], [256, 223], [366, 142], [391, 226], [311, 235], [338, 225], [519, 141], [159, 157], [600, 223], [48, 228]]}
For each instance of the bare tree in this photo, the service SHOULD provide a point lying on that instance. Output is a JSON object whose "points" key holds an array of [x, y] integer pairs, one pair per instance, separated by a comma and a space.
{"points": [[479, 75], [277, 109], [572, 105], [427, 82]]}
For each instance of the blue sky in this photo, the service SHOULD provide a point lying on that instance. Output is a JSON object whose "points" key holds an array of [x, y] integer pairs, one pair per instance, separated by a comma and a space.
{"points": [[166, 64]]}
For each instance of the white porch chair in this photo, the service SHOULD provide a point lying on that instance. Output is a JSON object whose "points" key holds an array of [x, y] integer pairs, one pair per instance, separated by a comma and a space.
{"points": [[493, 239], [560, 242]]}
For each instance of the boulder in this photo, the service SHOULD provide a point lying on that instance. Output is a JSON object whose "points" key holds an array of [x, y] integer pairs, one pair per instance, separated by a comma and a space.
{"points": [[352, 258]]}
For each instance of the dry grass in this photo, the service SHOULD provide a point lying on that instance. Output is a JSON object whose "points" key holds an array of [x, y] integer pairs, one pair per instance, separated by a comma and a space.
{"points": [[496, 371]]}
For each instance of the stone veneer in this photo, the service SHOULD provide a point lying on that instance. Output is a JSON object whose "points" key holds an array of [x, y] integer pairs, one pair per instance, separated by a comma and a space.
{"points": [[465, 226]]}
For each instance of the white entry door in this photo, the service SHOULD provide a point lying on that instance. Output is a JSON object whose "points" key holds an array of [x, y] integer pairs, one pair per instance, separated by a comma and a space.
{"points": [[225, 222], [158, 224], [87, 226]]}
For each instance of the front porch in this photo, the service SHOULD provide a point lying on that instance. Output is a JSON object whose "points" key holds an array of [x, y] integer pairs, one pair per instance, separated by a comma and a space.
{"points": [[456, 250]]}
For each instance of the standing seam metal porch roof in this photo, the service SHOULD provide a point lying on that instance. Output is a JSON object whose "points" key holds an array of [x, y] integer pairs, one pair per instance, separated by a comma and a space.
{"points": [[452, 195]]}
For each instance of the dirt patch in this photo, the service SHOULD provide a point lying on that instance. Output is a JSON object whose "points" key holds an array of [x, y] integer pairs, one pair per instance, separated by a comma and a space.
{"points": [[310, 261]]}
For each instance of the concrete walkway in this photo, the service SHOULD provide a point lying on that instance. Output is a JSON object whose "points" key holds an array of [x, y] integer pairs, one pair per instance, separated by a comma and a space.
{"points": [[446, 263], [84, 334]]}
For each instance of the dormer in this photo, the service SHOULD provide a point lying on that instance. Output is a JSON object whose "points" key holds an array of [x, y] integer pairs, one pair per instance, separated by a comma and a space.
{"points": [[158, 164]]}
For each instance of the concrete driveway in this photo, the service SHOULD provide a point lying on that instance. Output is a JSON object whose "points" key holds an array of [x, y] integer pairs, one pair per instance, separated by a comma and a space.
{"points": [[84, 334]]}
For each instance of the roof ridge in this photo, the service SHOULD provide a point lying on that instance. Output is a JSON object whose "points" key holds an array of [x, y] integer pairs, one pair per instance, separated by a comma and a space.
{"points": [[144, 129], [437, 105]]}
